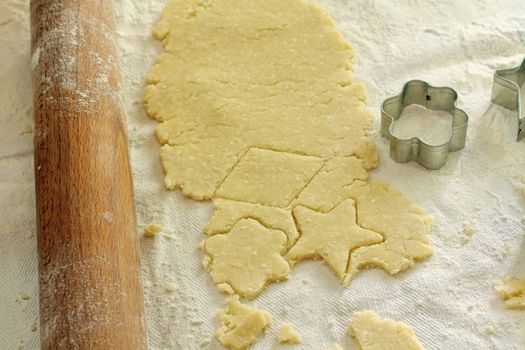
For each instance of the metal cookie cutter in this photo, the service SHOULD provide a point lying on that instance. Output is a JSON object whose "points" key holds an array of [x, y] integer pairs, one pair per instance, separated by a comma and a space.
{"points": [[434, 98], [506, 92]]}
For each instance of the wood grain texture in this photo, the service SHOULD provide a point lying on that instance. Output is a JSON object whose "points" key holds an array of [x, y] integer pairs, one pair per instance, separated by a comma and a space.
{"points": [[89, 271]]}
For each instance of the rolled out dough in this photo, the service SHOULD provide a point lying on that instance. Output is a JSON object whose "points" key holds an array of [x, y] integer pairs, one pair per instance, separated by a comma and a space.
{"points": [[258, 111], [404, 227], [236, 75], [331, 236], [372, 333], [227, 213]]}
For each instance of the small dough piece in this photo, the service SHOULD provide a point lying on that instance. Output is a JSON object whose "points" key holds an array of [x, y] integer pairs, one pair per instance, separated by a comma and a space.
{"points": [[330, 236], [227, 213], [225, 288], [512, 290], [288, 334], [151, 230], [468, 230], [335, 347], [247, 257], [171, 287], [404, 227], [331, 185], [372, 333], [521, 190], [268, 177], [241, 324], [26, 129]]}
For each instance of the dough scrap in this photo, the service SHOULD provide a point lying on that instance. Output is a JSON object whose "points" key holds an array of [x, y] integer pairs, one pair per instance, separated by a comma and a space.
{"points": [[241, 324], [512, 290], [288, 335], [268, 177], [330, 236], [151, 230], [227, 213], [372, 333], [247, 257], [404, 227], [335, 347], [331, 185], [234, 75]]}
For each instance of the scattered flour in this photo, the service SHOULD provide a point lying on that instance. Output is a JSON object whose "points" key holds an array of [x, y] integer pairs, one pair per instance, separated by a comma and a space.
{"points": [[432, 127]]}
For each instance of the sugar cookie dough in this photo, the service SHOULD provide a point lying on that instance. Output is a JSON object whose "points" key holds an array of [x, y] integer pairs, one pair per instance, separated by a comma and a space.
{"points": [[330, 236], [151, 230], [335, 347], [288, 335], [404, 227], [227, 213], [331, 185], [259, 112], [247, 257], [241, 324], [268, 177], [372, 333], [512, 290], [235, 76]]}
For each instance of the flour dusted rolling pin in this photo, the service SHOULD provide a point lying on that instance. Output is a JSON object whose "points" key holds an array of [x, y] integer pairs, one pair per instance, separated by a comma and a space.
{"points": [[89, 272]]}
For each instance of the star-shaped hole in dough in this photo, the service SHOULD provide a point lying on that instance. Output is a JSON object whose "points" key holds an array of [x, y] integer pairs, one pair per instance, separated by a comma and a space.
{"points": [[330, 236], [247, 257]]}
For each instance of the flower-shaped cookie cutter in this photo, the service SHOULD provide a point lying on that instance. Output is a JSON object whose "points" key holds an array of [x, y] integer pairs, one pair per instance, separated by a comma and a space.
{"points": [[506, 92], [434, 98]]}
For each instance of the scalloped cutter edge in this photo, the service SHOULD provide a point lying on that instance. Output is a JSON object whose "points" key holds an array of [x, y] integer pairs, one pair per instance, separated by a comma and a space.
{"points": [[506, 92]]}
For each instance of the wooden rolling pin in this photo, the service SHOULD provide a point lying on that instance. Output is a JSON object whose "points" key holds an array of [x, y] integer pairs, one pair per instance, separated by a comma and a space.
{"points": [[89, 271]]}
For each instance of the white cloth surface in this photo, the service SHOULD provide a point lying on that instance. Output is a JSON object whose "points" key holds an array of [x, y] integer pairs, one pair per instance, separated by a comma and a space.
{"points": [[449, 299]]}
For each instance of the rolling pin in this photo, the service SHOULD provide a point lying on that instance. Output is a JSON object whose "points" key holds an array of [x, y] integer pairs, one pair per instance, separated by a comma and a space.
{"points": [[89, 269]]}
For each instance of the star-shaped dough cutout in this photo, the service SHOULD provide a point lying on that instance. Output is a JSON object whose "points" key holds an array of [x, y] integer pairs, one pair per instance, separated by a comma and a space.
{"points": [[247, 257], [330, 236]]}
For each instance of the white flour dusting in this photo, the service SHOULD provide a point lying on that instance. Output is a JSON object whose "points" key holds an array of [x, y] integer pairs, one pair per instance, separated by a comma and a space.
{"points": [[448, 299], [432, 127]]}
